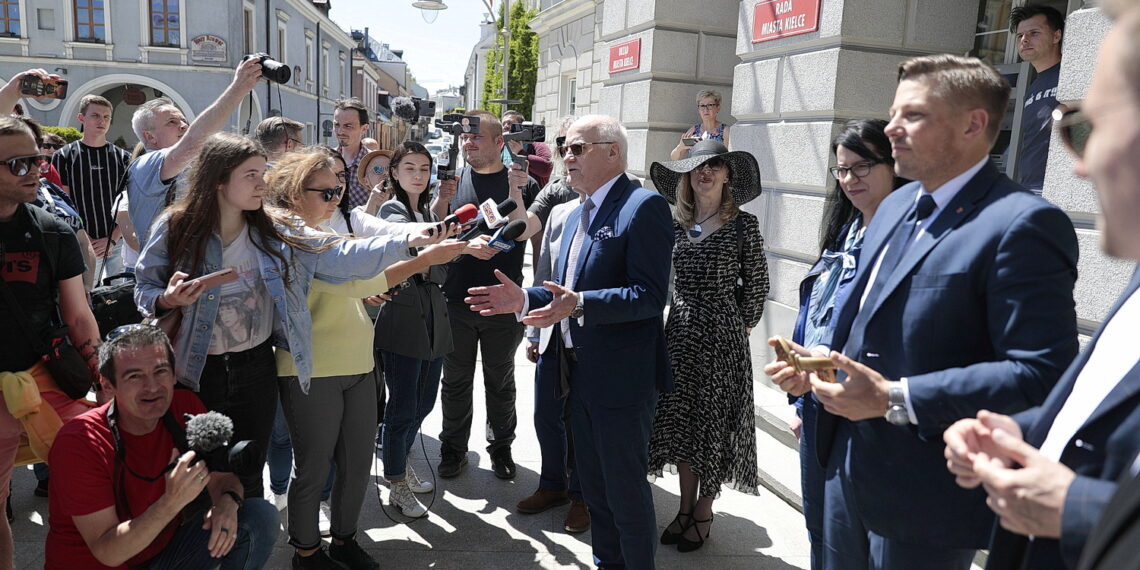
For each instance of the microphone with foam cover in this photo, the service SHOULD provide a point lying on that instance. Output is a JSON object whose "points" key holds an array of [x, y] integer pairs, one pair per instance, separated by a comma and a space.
{"points": [[405, 109]]}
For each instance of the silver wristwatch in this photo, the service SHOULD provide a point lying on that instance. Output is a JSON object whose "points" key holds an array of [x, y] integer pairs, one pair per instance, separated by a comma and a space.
{"points": [[896, 405], [579, 310]]}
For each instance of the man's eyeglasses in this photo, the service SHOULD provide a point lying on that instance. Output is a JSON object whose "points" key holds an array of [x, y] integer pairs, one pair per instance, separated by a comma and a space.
{"points": [[858, 171], [1074, 126], [577, 149], [709, 107], [329, 194], [52, 146], [22, 165]]}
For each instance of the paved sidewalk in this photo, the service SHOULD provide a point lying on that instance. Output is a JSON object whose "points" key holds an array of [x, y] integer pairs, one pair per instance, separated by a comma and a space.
{"points": [[473, 523]]}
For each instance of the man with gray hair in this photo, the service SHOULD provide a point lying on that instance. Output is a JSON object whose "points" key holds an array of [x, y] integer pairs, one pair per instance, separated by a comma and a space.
{"points": [[606, 297], [171, 143]]}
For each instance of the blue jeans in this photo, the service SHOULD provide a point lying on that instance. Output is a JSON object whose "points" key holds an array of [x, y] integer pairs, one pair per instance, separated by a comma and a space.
{"points": [[256, 535], [412, 388], [280, 458]]}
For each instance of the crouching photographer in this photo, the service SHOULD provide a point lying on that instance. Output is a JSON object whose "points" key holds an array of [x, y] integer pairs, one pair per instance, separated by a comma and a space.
{"points": [[130, 489]]}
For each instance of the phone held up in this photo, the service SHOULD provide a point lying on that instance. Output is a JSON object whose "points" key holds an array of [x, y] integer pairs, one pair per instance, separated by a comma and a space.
{"points": [[36, 86]]}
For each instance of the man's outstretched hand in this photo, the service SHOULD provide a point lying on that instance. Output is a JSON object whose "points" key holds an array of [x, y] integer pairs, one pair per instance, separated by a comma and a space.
{"points": [[507, 297]]}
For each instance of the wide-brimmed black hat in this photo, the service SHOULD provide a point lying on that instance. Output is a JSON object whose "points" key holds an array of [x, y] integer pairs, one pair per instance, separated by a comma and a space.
{"points": [[744, 180]]}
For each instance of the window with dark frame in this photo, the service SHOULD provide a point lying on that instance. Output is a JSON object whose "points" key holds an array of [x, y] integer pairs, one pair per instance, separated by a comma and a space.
{"points": [[165, 23], [10, 19], [89, 21]]}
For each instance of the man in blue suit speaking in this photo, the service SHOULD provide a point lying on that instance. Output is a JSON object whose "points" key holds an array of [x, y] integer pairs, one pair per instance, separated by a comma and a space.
{"points": [[965, 302], [606, 300]]}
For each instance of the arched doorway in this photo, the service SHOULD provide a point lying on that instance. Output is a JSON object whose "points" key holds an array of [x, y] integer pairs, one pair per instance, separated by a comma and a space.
{"points": [[122, 90]]}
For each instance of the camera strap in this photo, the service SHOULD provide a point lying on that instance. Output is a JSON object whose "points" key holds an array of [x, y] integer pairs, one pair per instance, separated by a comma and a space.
{"points": [[176, 433]]}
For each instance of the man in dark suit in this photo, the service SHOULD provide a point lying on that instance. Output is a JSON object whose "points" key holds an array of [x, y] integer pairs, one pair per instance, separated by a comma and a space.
{"points": [[1087, 433], [964, 302], [606, 302], [1115, 538]]}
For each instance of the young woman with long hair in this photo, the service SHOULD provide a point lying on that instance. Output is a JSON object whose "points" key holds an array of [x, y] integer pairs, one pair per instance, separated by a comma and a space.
{"points": [[335, 419], [413, 333], [219, 223]]}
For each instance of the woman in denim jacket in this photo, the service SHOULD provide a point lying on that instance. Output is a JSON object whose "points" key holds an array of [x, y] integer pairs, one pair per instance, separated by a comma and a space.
{"points": [[220, 223], [864, 176]]}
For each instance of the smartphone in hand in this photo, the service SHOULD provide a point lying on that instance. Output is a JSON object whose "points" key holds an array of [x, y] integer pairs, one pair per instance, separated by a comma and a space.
{"points": [[36, 86], [218, 278], [689, 141]]}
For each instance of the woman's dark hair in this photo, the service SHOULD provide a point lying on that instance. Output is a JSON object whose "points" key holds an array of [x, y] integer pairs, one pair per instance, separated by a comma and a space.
{"points": [[409, 147], [195, 217], [868, 139]]}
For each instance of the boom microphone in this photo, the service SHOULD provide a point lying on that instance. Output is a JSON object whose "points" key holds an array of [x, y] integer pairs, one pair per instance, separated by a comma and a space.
{"points": [[405, 109], [504, 239], [463, 216], [491, 216]]}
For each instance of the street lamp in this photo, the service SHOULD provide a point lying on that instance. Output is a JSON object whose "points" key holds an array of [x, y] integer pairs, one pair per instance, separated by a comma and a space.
{"points": [[426, 5], [429, 9]]}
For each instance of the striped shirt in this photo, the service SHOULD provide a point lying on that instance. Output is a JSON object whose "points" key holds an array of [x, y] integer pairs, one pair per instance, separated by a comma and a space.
{"points": [[94, 176]]}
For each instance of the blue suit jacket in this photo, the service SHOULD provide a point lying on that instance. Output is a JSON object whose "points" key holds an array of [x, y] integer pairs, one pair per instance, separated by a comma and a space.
{"points": [[1101, 450], [623, 275], [978, 314]]}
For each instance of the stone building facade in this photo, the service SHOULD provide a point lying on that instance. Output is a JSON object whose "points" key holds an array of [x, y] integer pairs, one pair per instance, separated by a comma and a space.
{"points": [[787, 97]]}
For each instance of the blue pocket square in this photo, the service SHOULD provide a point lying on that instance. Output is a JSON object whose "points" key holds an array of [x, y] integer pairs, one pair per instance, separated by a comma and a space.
{"points": [[603, 233]]}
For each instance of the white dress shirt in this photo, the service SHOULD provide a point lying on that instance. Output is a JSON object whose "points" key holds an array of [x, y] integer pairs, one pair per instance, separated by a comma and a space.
{"points": [[598, 198]]}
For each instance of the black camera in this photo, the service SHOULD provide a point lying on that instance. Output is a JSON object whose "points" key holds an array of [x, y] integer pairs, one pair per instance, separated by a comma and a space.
{"points": [[526, 132], [455, 124], [272, 69], [239, 458]]}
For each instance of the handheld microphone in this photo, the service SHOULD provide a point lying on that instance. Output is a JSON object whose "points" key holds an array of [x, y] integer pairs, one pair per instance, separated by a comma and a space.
{"points": [[462, 216], [490, 217], [405, 109], [209, 434], [504, 239]]}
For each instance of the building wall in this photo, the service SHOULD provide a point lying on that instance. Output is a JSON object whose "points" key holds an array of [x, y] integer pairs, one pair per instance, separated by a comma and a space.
{"points": [[126, 59], [566, 47]]}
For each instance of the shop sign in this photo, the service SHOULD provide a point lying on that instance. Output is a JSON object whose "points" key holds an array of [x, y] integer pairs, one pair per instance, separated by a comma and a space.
{"points": [[207, 48], [625, 56], [774, 19]]}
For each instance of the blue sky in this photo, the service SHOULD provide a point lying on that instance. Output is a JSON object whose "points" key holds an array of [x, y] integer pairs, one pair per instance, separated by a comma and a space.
{"points": [[437, 53]]}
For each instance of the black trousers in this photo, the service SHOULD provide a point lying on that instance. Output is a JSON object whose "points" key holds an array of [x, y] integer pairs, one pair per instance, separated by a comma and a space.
{"points": [[495, 339]]}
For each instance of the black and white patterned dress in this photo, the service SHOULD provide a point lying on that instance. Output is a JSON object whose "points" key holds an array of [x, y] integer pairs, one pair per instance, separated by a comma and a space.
{"points": [[709, 421]]}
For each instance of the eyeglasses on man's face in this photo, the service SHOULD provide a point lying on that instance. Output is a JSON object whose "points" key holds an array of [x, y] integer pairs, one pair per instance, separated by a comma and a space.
{"points": [[578, 148], [22, 165], [1074, 126]]}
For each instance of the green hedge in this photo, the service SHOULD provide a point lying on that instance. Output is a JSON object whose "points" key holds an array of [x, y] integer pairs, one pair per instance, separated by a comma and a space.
{"points": [[69, 134]]}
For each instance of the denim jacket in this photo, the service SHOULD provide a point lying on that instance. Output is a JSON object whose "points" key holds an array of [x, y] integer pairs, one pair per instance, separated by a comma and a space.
{"points": [[348, 260]]}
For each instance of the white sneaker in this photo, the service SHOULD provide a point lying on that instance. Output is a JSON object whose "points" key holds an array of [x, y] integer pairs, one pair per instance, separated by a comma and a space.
{"points": [[402, 498], [281, 501], [416, 484], [323, 522]]}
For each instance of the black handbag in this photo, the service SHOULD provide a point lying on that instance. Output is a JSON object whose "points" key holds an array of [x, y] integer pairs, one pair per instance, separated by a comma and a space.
{"points": [[114, 305], [67, 367]]}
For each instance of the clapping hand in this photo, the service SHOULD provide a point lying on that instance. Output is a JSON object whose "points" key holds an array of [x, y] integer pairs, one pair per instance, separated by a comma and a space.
{"points": [[559, 308], [1028, 501], [968, 438]]}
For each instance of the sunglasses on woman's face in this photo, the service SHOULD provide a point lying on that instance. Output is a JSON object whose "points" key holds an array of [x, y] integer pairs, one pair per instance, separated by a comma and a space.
{"points": [[51, 146], [22, 165], [1074, 126], [329, 194]]}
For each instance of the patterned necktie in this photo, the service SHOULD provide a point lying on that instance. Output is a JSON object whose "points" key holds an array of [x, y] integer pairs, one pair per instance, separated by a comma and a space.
{"points": [[575, 248]]}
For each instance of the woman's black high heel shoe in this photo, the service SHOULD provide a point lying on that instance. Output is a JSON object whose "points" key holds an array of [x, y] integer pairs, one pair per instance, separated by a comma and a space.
{"points": [[686, 545], [669, 537]]}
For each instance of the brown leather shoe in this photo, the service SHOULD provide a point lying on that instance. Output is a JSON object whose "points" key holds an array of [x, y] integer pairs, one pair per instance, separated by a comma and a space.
{"points": [[578, 519], [541, 500]]}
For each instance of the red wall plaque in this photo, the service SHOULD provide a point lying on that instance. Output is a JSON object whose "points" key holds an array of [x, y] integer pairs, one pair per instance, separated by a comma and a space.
{"points": [[625, 56], [775, 19]]}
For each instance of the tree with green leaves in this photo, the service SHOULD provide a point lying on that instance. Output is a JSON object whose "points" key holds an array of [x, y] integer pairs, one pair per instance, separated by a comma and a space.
{"points": [[523, 62]]}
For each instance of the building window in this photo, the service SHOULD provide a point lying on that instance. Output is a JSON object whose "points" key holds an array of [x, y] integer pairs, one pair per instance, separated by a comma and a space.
{"points": [[328, 67], [248, 26], [571, 95], [46, 18], [10, 18], [343, 73], [281, 55], [310, 63], [89, 25], [165, 23]]}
